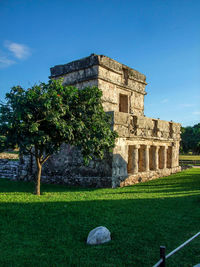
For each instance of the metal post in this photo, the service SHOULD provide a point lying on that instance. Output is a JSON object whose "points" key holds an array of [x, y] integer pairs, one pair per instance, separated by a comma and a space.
{"points": [[162, 256]]}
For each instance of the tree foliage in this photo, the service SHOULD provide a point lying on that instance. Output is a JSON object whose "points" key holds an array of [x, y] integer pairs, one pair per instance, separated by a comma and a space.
{"points": [[40, 119], [190, 139]]}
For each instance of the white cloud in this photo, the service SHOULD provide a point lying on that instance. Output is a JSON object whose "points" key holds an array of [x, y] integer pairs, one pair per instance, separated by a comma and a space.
{"points": [[165, 100], [187, 105], [196, 112], [6, 62], [20, 51]]}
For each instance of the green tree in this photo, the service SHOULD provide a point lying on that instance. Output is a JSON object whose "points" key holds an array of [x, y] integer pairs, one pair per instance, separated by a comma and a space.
{"points": [[190, 139], [40, 119]]}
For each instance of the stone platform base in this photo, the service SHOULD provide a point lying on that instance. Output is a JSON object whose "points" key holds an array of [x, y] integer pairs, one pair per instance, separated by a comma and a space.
{"points": [[87, 182], [143, 177], [106, 182]]}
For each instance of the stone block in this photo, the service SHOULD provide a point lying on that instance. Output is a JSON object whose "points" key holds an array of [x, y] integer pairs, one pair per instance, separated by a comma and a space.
{"points": [[98, 236]]}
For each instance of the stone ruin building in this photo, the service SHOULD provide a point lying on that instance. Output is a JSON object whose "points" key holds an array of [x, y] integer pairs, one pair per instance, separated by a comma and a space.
{"points": [[145, 149]]}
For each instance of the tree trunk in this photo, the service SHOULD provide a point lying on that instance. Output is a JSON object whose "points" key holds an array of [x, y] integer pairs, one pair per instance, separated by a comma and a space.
{"points": [[39, 171]]}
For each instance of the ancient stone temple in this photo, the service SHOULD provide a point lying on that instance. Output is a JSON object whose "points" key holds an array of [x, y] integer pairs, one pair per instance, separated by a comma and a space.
{"points": [[146, 148]]}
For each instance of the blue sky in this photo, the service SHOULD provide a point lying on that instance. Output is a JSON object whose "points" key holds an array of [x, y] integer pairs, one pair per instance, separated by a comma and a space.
{"points": [[160, 38]]}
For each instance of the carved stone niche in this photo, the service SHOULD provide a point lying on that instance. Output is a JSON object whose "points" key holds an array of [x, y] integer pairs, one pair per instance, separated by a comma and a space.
{"points": [[134, 125]]}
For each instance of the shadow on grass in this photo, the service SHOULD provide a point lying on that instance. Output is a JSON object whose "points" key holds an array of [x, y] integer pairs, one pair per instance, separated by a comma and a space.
{"points": [[54, 233], [186, 181], [51, 230], [7, 185]]}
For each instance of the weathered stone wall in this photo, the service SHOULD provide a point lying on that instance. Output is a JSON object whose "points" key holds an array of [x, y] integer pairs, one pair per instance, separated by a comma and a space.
{"points": [[109, 76], [9, 169], [128, 125], [113, 84], [67, 167], [120, 158], [143, 177]]}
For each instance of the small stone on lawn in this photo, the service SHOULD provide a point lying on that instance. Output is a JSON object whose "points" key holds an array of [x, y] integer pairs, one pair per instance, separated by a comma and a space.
{"points": [[98, 235]]}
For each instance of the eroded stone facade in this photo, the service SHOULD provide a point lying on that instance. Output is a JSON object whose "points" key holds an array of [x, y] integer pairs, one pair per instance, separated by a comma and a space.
{"points": [[145, 149]]}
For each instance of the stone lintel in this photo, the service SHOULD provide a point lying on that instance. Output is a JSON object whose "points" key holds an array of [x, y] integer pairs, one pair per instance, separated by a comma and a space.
{"points": [[85, 79], [133, 142], [150, 138], [122, 86], [119, 72]]}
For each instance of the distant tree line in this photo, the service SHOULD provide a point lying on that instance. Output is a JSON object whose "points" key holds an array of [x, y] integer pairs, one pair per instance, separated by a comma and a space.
{"points": [[190, 139]]}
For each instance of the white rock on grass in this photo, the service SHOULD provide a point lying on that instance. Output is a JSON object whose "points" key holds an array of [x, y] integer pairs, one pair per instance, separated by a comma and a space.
{"points": [[99, 235]]}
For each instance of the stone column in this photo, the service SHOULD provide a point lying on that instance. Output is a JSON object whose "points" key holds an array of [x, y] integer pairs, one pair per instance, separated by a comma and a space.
{"points": [[164, 157], [156, 162], [173, 157], [135, 158], [177, 154], [147, 158]]}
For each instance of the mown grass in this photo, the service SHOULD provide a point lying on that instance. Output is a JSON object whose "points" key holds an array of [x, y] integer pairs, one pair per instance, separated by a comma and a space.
{"points": [[51, 230], [189, 157]]}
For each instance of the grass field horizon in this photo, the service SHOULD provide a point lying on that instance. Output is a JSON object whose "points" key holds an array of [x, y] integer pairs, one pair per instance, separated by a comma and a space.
{"points": [[189, 157], [51, 230], [15, 155]]}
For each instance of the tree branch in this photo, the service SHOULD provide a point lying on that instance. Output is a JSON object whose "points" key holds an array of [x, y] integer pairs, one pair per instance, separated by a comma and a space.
{"points": [[28, 150], [45, 159], [40, 120]]}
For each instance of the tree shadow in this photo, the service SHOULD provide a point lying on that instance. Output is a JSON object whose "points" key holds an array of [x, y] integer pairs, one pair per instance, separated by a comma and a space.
{"points": [[171, 184], [7, 185], [49, 232], [185, 184]]}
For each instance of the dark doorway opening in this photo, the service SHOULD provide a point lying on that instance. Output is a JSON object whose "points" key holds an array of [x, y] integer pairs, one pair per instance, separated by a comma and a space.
{"points": [[123, 103]]}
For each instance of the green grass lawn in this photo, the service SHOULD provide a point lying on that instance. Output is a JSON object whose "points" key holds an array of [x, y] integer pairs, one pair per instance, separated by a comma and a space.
{"points": [[189, 157], [51, 230]]}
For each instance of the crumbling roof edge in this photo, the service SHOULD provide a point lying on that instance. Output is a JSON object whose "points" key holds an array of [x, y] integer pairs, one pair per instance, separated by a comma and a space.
{"points": [[92, 60]]}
